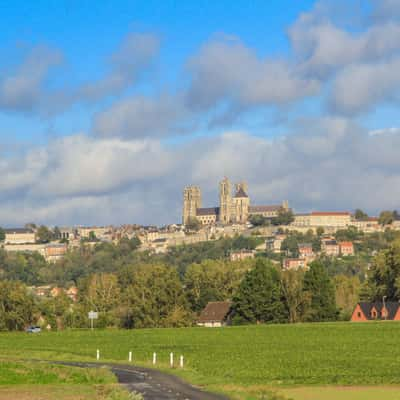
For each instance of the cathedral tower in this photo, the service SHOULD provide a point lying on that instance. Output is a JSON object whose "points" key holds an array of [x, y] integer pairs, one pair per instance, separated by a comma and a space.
{"points": [[241, 203], [225, 201], [191, 202]]}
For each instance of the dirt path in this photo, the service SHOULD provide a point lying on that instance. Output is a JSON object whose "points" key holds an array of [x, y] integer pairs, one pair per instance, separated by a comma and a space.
{"points": [[153, 384]]}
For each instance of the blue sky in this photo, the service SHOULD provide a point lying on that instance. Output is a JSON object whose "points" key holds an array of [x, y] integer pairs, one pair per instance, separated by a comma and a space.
{"points": [[107, 109]]}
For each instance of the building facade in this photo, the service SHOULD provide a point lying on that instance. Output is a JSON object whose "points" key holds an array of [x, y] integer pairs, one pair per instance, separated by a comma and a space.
{"points": [[234, 205]]}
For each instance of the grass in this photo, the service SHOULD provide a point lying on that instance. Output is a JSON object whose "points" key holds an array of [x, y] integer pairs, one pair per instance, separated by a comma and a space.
{"points": [[21, 379], [247, 360]]}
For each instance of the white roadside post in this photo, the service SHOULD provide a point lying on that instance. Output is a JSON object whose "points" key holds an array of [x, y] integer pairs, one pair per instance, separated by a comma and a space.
{"points": [[98, 355], [154, 358], [181, 362], [171, 360], [130, 356]]}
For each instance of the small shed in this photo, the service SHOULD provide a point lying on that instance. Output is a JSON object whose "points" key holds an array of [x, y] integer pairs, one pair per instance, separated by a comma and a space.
{"points": [[216, 314]]}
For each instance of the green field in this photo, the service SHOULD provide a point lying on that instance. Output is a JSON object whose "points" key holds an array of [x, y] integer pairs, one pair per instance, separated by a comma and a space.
{"points": [[244, 361], [41, 380]]}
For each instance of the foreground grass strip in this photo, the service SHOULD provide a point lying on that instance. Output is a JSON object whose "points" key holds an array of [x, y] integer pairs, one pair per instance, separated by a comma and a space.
{"points": [[273, 355]]}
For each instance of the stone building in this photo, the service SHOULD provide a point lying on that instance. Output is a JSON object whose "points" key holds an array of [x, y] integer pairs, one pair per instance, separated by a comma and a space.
{"points": [[234, 206], [191, 203]]}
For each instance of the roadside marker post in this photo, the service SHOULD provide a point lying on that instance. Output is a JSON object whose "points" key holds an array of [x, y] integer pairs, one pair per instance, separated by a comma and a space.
{"points": [[154, 358], [171, 360], [98, 355], [181, 362], [130, 356]]}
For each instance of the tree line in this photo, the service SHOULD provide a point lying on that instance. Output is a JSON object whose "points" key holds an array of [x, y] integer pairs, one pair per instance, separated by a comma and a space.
{"points": [[134, 289]]}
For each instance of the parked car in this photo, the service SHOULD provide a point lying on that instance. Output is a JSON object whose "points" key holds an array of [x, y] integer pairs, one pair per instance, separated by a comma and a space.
{"points": [[33, 329]]}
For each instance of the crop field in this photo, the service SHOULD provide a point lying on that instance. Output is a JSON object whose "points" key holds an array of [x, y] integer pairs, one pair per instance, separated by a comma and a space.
{"points": [[243, 361]]}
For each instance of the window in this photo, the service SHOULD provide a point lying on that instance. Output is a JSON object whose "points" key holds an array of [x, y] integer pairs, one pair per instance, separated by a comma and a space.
{"points": [[359, 314]]}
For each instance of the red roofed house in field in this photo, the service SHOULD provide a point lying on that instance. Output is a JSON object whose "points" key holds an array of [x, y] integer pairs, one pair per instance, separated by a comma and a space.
{"points": [[216, 314], [366, 311]]}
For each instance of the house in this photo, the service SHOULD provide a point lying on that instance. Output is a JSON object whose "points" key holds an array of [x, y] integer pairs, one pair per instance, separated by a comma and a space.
{"points": [[216, 314], [274, 243], [330, 248], [346, 248], [305, 250], [72, 293], [55, 251], [241, 255], [294, 263], [330, 219], [19, 236], [366, 311]]}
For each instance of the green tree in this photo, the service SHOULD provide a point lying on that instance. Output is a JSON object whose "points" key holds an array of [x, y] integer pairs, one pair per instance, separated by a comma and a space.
{"points": [[360, 215], [193, 224], [44, 235], [16, 306], [384, 275], [213, 280], [259, 297], [322, 294], [296, 298], [259, 220], [386, 217], [285, 217], [155, 293], [347, 294], [2, 234]]}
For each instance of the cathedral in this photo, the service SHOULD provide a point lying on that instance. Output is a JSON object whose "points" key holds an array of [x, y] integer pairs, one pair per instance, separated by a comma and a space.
{"points": [[234, 205]]}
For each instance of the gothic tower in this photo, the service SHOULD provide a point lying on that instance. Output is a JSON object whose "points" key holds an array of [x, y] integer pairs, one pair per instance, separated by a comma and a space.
{"points": [[191, 202], [241, 203], [225, 201]]}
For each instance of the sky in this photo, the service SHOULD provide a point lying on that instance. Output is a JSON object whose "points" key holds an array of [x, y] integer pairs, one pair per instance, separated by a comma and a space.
{"points": [[109, 109]]}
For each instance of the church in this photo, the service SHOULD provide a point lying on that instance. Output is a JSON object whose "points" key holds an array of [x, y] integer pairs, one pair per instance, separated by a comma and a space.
{"points": [[234, 205]]}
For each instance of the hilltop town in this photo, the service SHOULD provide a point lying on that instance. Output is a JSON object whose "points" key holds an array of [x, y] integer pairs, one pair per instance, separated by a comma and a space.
{"points": [[234, 215]]}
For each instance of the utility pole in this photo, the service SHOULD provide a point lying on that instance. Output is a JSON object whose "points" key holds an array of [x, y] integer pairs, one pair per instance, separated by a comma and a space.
{"points": [[384, 306]]}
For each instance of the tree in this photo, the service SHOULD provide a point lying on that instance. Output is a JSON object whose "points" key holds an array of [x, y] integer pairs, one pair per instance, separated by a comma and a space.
{"points": [[193, 224], [320, 231], [384, 275], [16, 306], [360, 215], [290, 245], [259, 220], [322, 293], [153, 298], [386, 217], [347, 294], [43, 234], [259, 297], [213, 280], [296, 298], [2, 234], [285, 217]]}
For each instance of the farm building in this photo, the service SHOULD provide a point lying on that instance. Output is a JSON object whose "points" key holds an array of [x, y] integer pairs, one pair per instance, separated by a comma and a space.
{"points": [[365, 311], [215, 314]]}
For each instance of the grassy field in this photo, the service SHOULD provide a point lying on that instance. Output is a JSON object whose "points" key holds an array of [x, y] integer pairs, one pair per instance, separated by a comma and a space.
{"points": [[244, 361], [39, 380]]}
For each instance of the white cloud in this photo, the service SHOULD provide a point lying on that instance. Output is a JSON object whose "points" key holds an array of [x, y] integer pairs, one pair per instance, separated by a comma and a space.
{"points": [[228, 71], [325, 164], [141, 117]]}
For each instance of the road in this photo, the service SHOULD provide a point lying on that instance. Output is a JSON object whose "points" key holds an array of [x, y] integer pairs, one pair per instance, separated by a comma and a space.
{"points": [[152, 384]]}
